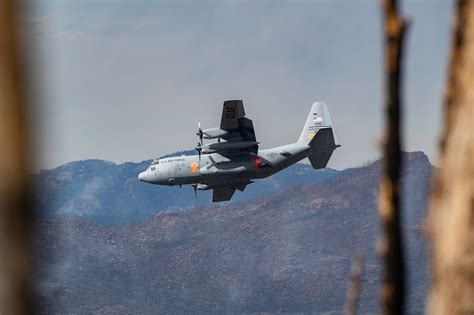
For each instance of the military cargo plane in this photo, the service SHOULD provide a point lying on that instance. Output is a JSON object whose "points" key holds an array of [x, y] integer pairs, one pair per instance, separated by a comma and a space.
{"points": [[234, 160]]}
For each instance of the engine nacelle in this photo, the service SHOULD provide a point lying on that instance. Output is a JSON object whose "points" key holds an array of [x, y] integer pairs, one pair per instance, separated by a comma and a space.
{"points": [[243, 165], [222, 146], [213, 133], [226, 168]]}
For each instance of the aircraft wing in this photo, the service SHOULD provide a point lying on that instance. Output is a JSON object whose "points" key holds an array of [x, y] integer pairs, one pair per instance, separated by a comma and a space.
{"points": [[238, 127], [222, 193]]}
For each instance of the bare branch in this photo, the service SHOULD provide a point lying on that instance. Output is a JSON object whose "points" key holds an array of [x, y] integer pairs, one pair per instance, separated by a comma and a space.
{"points": [[391, 249], [353, 293]]}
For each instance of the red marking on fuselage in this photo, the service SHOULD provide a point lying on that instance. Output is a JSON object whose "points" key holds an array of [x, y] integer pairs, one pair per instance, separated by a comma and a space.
{"points": [[258, 162]]}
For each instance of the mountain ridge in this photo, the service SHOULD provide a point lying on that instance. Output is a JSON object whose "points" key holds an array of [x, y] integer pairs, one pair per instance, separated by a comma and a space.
{"points": [[111, 194], [288, 252]]}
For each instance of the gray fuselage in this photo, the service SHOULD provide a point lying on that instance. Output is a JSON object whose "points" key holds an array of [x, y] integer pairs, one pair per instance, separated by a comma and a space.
{"points": [[220, 169]]}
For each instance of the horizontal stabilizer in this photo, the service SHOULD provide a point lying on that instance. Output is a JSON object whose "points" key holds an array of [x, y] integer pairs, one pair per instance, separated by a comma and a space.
{"points": [[323, 140], [322, 145], [320, 159]]}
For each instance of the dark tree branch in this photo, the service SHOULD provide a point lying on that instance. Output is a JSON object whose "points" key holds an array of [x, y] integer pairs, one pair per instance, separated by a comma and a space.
{"points": [[391, 247]]}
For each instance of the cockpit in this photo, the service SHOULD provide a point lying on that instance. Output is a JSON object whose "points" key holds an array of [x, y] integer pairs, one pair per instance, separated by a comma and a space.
{"points": [[153, 165], [151, 171]]}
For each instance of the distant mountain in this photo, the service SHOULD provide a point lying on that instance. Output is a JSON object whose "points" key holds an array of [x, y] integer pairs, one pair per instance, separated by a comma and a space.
{"points": [[288, 252], [111, 194]]}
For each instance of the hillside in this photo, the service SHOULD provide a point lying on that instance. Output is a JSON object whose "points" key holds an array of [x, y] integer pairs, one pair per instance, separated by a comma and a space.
{"points": [[289, 252], [110, 194]]}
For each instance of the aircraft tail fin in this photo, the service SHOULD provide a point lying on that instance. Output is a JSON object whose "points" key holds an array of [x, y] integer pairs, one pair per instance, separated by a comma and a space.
{"points": [[318, 119], [319, 134]]}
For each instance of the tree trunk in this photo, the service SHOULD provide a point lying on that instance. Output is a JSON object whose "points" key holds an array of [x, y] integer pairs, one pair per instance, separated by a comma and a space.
{"points": [[14, 197], [391, 247], [451, 218]]}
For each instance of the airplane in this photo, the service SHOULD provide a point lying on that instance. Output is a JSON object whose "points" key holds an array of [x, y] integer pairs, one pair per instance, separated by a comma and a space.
{"points": [[235, 161]]}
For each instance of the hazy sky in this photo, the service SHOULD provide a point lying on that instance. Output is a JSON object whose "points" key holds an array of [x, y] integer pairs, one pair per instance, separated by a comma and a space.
{"points": [[129, 80]]}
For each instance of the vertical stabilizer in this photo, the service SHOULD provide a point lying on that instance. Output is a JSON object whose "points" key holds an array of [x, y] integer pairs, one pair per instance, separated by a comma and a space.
{"points": [[318, 118], [318, 133]]}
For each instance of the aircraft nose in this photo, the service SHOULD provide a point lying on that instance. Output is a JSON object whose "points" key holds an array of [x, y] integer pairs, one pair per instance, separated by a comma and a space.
{"points": [[141, 176]]}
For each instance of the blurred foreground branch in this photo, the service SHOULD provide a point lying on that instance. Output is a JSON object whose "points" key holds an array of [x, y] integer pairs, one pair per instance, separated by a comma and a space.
{"points": [[14, 200], [391, 248], [451, 219], [353, 294]]}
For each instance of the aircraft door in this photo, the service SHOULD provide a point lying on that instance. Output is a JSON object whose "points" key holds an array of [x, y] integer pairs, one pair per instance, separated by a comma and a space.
{"points": [[176, 171], [171, 170]]}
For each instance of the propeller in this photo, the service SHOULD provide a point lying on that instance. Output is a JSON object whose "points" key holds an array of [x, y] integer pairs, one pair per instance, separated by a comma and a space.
{"points": [[195, 190], [199, 133], [199, 149], [199, 145]]}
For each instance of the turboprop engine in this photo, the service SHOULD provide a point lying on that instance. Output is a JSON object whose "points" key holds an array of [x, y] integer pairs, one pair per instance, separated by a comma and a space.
{"points": [[222, 146], [213, 133]]}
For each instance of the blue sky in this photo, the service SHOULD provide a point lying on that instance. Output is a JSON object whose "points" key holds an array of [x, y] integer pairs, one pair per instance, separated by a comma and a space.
{"points": [[128, 80]]}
